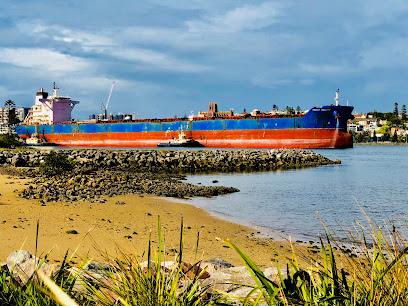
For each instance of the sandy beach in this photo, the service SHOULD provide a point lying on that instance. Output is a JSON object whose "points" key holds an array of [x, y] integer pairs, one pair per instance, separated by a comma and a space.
{"points": [[110, 226]]}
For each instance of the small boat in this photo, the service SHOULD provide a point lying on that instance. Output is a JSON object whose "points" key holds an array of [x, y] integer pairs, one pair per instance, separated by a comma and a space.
{"points": [[181, 141], [35, 140]]}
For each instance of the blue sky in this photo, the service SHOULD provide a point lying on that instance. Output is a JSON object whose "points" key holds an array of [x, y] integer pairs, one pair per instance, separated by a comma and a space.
{"points": [[172, 57]]}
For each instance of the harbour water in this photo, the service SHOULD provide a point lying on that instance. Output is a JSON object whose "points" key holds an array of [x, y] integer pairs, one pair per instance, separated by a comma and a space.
{"points": [[370, 178]]}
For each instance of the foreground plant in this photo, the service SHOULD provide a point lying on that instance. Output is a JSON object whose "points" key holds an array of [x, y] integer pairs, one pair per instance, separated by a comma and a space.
{"points": [[128, 282], [377, 276], [124, 281]]}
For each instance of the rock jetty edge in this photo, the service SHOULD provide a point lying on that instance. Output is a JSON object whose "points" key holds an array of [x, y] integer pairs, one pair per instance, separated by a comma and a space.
{"points": [[98, 173], [175, 161]]}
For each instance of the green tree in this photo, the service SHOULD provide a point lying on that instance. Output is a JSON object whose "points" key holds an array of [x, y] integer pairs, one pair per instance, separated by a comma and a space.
{"points": [[404, 112], [358, 138], [298, 110], [10, 107], [9, 141], [395, 112], [374, 137], [375, 114], [385, 129], [289, 110], [275, 107], [386, 137]]}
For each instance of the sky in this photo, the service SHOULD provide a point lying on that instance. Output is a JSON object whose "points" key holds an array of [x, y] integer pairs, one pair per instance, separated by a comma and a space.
{"points": [[169, 58]]}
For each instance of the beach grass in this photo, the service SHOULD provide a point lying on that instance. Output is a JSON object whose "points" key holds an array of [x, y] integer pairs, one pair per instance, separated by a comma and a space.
{"points": [[374, 273], [122, 280], [378, 275]]}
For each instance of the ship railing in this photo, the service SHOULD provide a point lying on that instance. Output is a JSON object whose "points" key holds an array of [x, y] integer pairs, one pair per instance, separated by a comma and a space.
{"points": [[264, 116]]}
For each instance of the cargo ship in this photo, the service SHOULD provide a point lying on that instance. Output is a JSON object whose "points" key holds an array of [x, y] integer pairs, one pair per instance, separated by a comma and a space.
{"points": [[320, 127]]}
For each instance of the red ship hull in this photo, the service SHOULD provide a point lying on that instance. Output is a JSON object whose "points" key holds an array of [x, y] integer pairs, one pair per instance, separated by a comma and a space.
{"points": [[262, 139]]}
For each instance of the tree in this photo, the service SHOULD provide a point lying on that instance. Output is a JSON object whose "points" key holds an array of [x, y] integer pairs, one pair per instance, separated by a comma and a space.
{"points": [[10, 107], [386, 137], [275, 107], [375, 114], [9, 141], [385, 129], [358, 138], [298, 110], [404, 112], [395, 112], [289, 110]]}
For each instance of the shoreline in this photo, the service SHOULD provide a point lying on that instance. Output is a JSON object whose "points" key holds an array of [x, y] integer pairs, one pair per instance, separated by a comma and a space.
{"points": [[263, 232], [381, 144], [104, 201], [103, 227]]}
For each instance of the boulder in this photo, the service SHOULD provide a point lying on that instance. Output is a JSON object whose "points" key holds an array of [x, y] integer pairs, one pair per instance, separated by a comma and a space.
{"points": [[216, 263], [18, 161], [23, 264]]}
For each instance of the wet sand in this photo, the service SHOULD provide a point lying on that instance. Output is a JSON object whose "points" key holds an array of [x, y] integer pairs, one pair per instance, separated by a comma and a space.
{"points": [[109, 227]]}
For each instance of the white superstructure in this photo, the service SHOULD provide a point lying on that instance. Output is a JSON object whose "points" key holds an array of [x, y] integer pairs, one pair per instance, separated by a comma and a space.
{"points": [[50, 109]]}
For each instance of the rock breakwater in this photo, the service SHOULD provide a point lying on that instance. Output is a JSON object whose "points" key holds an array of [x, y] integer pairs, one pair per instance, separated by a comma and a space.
{"points": [[175, 161], [100, 173], [93, 186]]}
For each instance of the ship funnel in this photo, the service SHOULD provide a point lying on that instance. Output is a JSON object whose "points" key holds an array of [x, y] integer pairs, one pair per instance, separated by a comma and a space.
{"points": [[41, 94]]}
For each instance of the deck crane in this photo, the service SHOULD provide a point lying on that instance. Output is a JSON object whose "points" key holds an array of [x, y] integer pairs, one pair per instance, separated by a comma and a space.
{"points": [[105, 108]]}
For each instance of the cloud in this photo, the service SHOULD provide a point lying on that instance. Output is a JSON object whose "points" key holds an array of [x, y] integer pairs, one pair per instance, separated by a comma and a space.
{"points": [[323, 69], [386, 54], [193, 5], [39, 30], [248, 17], [158, 60], [83, 38], [383, 10], [43, 60], [152, 35], [205, 47], [271, 82], [94, 43], [96, 88], [6, 92], [102, 84]]}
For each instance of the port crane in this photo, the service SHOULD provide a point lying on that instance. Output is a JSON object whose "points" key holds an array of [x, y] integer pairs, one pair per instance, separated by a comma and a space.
{"points": [[104, 107]]}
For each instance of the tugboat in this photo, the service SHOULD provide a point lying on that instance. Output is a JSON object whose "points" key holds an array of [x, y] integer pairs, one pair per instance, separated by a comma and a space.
{"points": [[35, 140], [181, 141]]}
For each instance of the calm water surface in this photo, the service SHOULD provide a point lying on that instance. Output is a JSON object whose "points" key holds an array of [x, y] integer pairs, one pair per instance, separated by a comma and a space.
{"points": [[373, 176]]}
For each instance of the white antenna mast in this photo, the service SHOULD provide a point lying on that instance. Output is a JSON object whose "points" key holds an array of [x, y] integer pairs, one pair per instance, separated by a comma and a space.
{"points": [[337, 97]]}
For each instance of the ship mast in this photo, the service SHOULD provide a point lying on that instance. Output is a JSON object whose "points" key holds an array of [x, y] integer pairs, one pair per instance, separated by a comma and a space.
{"points": [[55, 90], [337, 97]]}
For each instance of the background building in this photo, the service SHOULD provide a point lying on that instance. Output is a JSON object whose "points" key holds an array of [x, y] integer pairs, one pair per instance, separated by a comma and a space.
{"points": [[7, 120], [21, 113]]}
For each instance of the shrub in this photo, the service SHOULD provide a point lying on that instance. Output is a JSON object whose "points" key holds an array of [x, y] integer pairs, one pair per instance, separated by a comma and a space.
{"points": [[55, 164], [9, 141]]}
